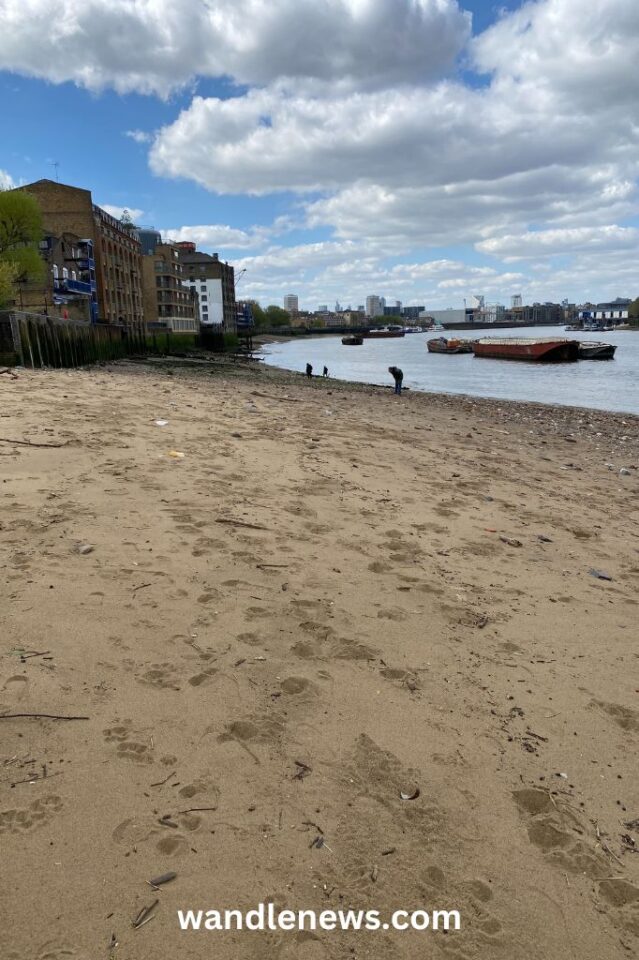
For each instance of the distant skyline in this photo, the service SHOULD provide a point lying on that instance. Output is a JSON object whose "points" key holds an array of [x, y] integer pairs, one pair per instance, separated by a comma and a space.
{"points": [[422, 150]]}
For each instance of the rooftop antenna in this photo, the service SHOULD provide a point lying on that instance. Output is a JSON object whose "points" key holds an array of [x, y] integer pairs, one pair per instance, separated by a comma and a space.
{"points": [[55, 164]]}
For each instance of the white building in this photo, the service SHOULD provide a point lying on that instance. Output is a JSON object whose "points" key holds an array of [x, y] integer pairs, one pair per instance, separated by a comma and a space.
{"points": [[291, 303], [375, 306], [515, 301]]}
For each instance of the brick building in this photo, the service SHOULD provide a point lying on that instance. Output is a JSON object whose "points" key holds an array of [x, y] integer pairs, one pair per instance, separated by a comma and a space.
{"points": [[67, 288], [117, 252], [168, 303], [214, 283]]}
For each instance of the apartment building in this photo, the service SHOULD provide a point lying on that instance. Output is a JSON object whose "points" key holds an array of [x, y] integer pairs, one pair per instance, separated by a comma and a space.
{"points": [[292, 304], [67, 288], [213, 281], [375, 306], [168, 303], [117, 260]]}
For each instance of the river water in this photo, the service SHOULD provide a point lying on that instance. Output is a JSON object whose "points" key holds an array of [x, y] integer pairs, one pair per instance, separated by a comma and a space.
{"points": [[598, 384]]}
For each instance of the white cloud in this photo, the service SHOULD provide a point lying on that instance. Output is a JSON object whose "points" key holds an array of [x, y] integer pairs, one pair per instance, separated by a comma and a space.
{"points": [[139, 136], [117, 212], [6, 180], [540, 243], [154, 46], [388, 150], [216, 236]]}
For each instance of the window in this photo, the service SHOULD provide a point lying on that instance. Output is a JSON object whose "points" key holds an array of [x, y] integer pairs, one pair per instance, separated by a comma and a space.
{"points": [[203, 288]]}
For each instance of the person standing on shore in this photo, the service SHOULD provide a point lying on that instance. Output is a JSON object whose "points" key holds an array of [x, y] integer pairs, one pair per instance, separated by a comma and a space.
{"points": [[309, 370], [398, 376], [325, 372]]}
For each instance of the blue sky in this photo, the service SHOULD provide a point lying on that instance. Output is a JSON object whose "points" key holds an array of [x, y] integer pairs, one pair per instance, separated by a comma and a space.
{"points": [[404, 153]]}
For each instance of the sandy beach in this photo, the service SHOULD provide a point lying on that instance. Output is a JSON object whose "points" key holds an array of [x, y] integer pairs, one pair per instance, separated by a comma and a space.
{"points": [[333, 597]]}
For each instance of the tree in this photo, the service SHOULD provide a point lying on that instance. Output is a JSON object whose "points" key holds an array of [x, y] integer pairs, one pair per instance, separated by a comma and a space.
{"points": [[126, 222], [277, 316], [633, 310], [7, 279], [259, 318], [20, 234]]}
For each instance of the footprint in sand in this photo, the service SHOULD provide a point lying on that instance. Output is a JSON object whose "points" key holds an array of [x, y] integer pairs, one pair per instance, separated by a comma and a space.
{"points": [[162, 675], [201, 787], [202, 678], [626, 717], [392, 613], [54, 950], [556, 830], [25, 819], [13, 691], [332, 648], [174, 846], [296, 686], [128, 749]]}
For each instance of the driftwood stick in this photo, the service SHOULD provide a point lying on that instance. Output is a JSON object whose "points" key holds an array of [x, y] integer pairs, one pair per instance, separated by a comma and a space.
{"points": [[30, 443], [240, 523], [46, 716], [268, 396]]}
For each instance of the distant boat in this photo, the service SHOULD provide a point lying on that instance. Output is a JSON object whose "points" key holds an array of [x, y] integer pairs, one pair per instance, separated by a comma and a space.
{"points": [[541, 349], [383, 332], [572, 326], [591, 350], [352, 341], [436, 327], [442, 345]]}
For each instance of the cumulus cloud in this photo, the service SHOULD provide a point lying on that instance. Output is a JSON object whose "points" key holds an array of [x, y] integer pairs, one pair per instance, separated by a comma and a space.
{"points": [[548, 243], [216, 235], [118, 212], [356, 107], [154, 46], [6, 180]]}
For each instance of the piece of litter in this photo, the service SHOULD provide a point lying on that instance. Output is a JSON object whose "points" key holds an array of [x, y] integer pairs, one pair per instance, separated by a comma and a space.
{"points": [[176, 455], [511, 541], [84, 548], [410, 795], [599, 574], [160, 423]]}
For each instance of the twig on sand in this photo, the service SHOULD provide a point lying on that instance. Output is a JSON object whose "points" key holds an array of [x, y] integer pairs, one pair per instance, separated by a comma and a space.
{"points": [[144, 915], [46, 716], [263, 565], [36, 778], [162, 782], [141, 586], [31, 443], [240, 523], [196, 810]]}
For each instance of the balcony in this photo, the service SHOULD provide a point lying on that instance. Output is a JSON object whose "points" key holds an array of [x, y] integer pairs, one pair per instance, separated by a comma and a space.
{"points": [[77, 287]]}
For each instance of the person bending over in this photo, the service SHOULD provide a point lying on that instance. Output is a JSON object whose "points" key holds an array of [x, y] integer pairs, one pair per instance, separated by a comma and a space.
{"points": [[398, 377]]}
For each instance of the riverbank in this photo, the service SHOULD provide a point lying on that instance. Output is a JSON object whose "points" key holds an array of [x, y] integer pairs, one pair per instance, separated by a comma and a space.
{"points": [[332, 597]]}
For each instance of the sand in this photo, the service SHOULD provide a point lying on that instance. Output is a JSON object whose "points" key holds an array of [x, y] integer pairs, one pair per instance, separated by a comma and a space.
{"points": [[311, 611]]}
